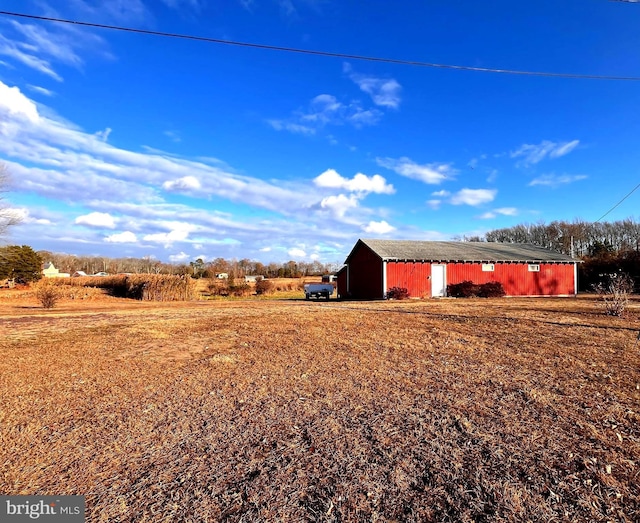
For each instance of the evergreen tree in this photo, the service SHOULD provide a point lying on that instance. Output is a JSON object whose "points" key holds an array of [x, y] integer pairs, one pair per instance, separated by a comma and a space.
{"points": [[20, 263]]}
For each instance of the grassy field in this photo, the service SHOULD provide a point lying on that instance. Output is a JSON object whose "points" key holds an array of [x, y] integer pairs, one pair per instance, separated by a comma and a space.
{"points": [[285, 410]]}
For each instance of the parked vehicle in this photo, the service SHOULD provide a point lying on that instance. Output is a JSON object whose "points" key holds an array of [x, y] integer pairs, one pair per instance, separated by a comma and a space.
{"points": [[318, 290]]}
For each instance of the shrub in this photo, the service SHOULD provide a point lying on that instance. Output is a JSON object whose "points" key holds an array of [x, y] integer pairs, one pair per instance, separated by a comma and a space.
{"points": [[468, 289], [397, 293], [465, 289], [614, 293], [240, 289], [264, 287], [492, 289], [47, 294]]}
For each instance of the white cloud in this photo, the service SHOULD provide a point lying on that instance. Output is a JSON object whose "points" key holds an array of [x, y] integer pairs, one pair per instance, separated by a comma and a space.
{"points": [[297, 253], [265, 249], [433, 173], [359, 183], [553, 180], [97, 219], [504, 211], [434, 204], [385, 92], [534, 154], [122, 237], [507, 211], [186, 183], [441, 194], [473, 196], [176, 232], [180, 257], [13, 102], [380, 227], [340, 204], [23, 215]]}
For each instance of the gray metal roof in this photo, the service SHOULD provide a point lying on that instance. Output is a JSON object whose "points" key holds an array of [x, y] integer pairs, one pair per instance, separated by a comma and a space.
{"points": [[463, 251]]}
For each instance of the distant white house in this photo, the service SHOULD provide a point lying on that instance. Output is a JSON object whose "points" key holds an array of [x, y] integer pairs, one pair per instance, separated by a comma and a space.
{"points": [[50, 271], [222, 276], [252, 278], [78, 274]]}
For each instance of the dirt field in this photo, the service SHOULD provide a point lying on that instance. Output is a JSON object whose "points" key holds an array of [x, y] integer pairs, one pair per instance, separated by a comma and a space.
{"points": [[266, 410]]}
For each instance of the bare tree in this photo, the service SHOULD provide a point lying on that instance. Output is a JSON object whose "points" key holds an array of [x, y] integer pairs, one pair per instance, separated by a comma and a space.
{"points": [[8, 216]]}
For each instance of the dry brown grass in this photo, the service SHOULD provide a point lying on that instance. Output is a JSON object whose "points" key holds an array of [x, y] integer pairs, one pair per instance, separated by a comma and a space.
{"points": [[146, 287], [474, 410]]}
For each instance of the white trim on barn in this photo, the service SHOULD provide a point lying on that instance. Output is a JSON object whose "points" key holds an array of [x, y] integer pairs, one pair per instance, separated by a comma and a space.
{"points": [[384, 278]]}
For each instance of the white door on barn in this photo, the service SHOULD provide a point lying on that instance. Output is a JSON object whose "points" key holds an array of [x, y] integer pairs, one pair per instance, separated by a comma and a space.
{"points": [[438, 281]]}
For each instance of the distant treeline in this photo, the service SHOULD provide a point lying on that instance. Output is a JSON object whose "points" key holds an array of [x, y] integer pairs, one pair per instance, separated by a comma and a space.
{"points": [[605, 248], [579, 238], [198, 268]]}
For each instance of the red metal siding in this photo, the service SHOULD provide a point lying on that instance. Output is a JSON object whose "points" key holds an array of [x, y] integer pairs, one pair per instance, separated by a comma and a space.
{"points": [[365, 275], [553, 279], [413, 276]]}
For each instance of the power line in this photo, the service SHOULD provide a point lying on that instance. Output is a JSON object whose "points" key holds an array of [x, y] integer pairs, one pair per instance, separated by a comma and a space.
{"points": [[322, 53], [616, 205]]}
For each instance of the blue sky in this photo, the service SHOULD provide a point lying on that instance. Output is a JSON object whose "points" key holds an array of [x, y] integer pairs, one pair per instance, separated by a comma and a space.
{"points": [[122, 144]]}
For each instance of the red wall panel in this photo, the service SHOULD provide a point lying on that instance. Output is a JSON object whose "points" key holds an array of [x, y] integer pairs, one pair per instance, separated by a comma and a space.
{"points": [[413, 276], [553, 279]]}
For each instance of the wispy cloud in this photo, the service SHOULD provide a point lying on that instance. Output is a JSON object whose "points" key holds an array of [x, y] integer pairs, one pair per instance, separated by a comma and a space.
{"points": [[555, 180], [533, 154], [287, 7], [122, 11], [324, 110], [385, 92], [430, 173], [180, 4], [503, 211], [41, 90], [42, 49], [173, 136]]}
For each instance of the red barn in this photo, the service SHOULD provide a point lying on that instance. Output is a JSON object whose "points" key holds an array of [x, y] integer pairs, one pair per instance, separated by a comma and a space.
{"points": [[426, 268]]}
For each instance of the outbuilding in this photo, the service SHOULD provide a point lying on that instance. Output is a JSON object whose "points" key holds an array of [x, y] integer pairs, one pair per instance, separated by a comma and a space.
{"points": [[425, 268]]}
